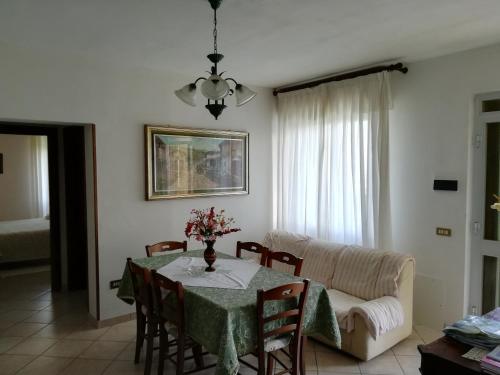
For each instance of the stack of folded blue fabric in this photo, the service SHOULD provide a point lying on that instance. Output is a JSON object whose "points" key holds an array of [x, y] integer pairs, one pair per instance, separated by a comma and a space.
{"points": [[481, 331]]}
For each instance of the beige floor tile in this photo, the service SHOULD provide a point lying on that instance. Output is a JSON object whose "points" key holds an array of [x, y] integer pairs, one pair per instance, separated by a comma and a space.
{"points": [[42, 317], [128, 353], [11, 363], [15, 315], [120, 332], [4, 324], [81, 366], [410, 364], [45, 297], [384, 364], [407, 347], [6, 343], [428, 334], [57, 331], [22, 329], [33, 305], [104, 350], [129, 323], [45, 366], [250, 358], [32, 346], [125, 368], [310, 346], [68, 348], [310, 360], [72, 318], [335, 361], [87, 333], [320, 347], [414, 335]]}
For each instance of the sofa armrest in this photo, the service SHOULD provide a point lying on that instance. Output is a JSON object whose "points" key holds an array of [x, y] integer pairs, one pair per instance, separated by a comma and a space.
{"points": [[405, 284]]}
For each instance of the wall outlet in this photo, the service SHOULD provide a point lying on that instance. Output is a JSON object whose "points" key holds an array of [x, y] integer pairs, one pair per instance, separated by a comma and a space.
{"points": [[443, 232], [115, 284]]}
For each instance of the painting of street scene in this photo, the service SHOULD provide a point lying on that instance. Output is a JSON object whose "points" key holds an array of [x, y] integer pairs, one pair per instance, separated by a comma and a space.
{"points": [[194, 164]]}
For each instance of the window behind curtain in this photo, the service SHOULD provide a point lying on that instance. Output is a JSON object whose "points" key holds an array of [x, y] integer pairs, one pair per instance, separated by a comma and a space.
{"points": [[329, 158]]}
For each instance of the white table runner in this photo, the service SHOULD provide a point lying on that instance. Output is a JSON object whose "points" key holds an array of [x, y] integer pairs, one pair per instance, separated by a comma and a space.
{"points": [[229, 273]]}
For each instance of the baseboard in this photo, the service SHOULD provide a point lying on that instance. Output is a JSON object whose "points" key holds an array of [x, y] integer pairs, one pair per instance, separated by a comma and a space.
{"points": [[24, 263], [112, 321]]}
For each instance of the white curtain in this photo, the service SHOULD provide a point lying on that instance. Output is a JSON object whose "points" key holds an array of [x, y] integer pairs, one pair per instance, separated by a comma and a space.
{"points": [[330, 158], [40, 176]]}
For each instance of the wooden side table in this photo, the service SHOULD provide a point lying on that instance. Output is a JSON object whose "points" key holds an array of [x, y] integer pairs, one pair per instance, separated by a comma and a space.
{"points": [[444, 356]]}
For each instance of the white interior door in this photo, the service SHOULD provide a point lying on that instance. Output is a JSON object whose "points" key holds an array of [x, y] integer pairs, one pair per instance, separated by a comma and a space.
{"points": [[485, 228]]}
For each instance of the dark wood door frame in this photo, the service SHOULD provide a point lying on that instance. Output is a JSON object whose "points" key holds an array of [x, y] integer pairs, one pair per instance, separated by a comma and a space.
{"points": [[51, 131]]}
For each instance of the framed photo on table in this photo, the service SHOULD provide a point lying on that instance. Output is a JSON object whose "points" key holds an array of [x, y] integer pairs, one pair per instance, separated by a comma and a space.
{"points": [[185, 162]]}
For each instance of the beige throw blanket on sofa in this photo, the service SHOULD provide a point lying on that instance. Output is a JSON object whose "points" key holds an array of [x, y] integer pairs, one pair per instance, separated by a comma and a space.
{"points": [[373, 276], [380, 315]]}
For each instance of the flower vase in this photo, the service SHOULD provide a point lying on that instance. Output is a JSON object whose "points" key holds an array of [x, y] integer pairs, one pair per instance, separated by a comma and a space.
{"points": [[209, 255]]}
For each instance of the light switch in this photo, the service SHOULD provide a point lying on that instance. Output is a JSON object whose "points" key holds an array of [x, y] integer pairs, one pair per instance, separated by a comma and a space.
{"points": [[443, 232]]}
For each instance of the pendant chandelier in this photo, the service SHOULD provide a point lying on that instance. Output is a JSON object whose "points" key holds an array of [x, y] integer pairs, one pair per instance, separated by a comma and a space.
{"points": [[215, 88]]}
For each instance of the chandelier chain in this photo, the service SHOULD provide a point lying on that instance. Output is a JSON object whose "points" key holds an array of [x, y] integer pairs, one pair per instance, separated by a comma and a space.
{"points": [[215, 31]]}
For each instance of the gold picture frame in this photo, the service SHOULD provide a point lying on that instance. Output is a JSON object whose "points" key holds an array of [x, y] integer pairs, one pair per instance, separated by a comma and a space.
{"points": [[188, 162]]}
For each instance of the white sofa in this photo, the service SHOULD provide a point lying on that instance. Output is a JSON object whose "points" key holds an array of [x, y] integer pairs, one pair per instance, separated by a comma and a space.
{"points": [[361, 283]]}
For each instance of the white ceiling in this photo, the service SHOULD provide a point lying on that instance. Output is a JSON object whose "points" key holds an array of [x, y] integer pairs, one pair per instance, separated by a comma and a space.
{"points": [[266, 42]]}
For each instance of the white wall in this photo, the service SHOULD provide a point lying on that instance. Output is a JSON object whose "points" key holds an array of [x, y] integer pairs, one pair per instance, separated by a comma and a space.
{"points": [[429, 138], [16, 180], [120, 101]]}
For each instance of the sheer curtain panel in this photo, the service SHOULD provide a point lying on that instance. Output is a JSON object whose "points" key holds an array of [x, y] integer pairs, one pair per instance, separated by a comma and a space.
{"points": [[40, 176], [330, 159]]}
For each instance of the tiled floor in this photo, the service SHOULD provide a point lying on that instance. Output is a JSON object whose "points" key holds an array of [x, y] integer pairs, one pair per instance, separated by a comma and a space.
{"points": [[43, 333]]}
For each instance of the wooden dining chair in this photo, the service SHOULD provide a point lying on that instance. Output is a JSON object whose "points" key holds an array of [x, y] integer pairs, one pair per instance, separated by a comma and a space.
{"points": [[165, 246], [285, 331], [146, 317], [169, 295], [284, 257], [253, 247]]}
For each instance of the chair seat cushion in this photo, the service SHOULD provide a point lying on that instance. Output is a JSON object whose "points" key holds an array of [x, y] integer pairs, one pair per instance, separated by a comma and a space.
{"points": [[277, 343], [171, 329]]}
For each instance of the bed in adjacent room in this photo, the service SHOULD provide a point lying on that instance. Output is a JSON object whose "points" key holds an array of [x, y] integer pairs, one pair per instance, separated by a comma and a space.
{"points": [[24, 240]]}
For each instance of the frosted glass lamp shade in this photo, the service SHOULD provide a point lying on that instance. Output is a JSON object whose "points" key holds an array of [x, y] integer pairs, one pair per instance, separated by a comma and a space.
{"points": [[214, 87], [243, 94], [187, 94]]}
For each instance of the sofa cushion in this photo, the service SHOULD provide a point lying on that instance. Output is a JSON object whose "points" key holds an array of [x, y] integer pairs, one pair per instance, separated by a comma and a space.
{"points": [[295, 244], [319, 264], [357, 271], [341, 303], [292, 243]]}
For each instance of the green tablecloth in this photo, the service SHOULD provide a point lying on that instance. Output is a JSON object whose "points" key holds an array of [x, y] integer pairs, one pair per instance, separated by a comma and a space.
{"points": [[224, 321]]}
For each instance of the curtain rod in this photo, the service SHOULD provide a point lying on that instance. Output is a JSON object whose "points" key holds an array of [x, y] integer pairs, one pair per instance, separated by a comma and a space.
{"points": [[341, 77]]}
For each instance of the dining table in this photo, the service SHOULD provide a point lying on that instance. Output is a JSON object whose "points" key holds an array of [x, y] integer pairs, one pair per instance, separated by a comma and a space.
{"points": [[224, 320]]}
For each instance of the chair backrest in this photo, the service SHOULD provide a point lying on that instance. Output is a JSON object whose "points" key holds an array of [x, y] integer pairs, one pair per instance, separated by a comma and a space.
{"points": [[165, 246], [287, 321], [141, 282], [164, 289], [253, 247], [284, 257]]}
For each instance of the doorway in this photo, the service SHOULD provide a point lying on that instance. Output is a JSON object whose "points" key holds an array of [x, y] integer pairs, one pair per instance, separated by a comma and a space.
{"points": [[69, 162], [484, 293]]}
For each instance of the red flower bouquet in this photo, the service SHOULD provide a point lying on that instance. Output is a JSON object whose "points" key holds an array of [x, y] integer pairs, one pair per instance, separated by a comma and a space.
{"points": [[207, 225]]}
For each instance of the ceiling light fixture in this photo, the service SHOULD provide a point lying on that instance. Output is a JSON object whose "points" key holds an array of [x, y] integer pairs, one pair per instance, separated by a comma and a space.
{"points": [[215, 88]]}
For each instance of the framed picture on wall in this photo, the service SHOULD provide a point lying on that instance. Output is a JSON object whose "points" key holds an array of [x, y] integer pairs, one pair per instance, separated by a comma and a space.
{"points": [[184, 162]]}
